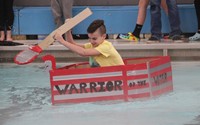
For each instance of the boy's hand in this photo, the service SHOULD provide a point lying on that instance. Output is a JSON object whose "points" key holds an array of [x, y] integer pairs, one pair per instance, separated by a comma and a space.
{"points": [[58, 37]]}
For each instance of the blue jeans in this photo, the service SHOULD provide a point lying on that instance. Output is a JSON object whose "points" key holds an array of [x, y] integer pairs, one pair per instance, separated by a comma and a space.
{"points": [[173, 16], [197, 8]]}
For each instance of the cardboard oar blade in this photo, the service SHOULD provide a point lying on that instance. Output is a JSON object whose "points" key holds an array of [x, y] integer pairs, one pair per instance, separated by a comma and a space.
{"points": [[30, 54], [26, 56]]}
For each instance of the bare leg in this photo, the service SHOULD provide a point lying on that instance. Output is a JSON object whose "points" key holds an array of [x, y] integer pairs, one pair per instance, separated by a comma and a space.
{"points": [[2, 38], [142, 11], [9, 35]]}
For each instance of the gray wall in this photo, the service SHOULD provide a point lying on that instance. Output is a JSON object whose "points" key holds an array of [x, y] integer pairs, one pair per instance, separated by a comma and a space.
{"points": [[87, 2]]}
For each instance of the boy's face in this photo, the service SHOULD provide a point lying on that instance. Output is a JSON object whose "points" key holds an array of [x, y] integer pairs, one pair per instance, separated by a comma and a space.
{"points": [[96, 38]]}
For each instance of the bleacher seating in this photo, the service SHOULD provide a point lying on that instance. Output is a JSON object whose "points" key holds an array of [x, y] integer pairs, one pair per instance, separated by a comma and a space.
{"points": [[118, 19]]}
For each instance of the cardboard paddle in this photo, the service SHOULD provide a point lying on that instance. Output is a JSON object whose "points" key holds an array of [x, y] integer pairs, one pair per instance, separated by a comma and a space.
{"points": [[29, 55]]}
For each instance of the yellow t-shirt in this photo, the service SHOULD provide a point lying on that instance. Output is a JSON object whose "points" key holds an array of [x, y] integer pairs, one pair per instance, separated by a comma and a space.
{"points": [[109, 55]]}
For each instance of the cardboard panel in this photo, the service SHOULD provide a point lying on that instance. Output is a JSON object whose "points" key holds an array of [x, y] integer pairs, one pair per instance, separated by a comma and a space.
{"points": [[151, 77], [86, 85]]}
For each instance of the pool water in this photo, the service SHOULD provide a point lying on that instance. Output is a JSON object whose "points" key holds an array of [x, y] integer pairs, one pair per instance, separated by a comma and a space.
{"points": [[25, 100]]}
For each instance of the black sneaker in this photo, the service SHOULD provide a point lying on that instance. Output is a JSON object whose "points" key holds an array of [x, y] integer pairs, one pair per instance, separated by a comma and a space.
{"points": [[176, 38], [153, 39]]}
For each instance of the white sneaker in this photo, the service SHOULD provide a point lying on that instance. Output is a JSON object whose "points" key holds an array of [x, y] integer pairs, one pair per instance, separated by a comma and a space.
{"points": [[195, 37]]}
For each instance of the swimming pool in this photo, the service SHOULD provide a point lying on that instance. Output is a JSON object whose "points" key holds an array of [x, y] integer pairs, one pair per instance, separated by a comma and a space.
{"points": [[25, 100]]}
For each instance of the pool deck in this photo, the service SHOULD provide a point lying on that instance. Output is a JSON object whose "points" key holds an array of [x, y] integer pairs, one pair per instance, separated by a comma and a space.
{"points": [[178, 51]]}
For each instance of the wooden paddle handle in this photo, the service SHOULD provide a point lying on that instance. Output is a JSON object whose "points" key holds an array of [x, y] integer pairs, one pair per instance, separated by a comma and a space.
{"points": [[65, 27]]}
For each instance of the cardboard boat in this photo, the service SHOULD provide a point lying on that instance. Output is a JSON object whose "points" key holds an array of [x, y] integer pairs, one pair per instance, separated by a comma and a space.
{"points": [[139, 78]]}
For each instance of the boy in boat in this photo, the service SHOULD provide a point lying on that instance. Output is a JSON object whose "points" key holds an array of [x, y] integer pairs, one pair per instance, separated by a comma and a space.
{"points": [[101, 52]]}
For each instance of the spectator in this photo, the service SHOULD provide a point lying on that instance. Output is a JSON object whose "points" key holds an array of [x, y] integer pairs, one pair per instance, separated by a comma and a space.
{"points": [[6, 19], [62, 9], [197, 8], [135, 35], [173, 16]]}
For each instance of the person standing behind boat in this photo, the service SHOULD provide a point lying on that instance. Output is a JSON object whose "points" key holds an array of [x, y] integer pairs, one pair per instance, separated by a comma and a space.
{"points": [[61, 9], [101, 52], [197, 8], [173, 16], [6, 19], [135, 35]]}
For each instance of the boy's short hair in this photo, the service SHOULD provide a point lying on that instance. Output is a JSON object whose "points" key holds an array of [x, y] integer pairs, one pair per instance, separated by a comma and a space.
{"points": [[97, 24]]}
